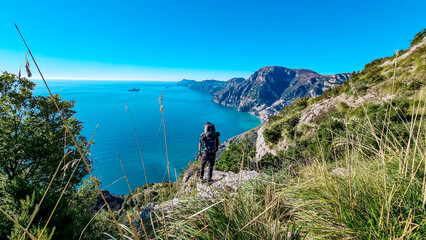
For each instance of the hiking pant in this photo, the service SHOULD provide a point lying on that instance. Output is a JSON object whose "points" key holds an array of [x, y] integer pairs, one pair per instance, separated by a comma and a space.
{"points": [[207, 157]]}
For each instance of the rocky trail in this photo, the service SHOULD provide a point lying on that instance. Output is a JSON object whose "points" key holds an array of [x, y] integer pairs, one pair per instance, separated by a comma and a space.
{"points": [[192, 189]]}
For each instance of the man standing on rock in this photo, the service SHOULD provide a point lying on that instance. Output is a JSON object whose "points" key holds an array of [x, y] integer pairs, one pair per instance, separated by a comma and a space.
{"points": [[209, 142]]}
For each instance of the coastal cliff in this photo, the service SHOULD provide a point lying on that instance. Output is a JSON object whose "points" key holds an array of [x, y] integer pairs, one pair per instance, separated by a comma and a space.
{"points": [[268, 90], [207, 86]]}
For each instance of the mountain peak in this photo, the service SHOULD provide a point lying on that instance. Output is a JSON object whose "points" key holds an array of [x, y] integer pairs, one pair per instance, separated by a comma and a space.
{"points": [[269, 89]]}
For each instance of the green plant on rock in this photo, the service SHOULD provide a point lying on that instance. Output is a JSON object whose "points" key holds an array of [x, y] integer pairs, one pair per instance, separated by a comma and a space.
{"points": [[235, 154], [418, 37]]}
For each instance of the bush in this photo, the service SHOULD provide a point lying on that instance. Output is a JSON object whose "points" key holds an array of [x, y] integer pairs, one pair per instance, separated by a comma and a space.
{"points": [[34, 146], [231, 159], [418, 37], [272, 134]]}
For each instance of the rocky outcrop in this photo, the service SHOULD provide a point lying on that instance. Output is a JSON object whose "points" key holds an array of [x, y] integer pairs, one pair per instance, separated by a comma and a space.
{"points": [[222, 181], [268, 90], [250, 136], [190, 185], [261, 147], [114, 201]]}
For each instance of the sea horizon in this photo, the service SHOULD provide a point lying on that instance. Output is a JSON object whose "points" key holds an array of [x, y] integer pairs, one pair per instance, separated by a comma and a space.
{"points": [[120, 80]]}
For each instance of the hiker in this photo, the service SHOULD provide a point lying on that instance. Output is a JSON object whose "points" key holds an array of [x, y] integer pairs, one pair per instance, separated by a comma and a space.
{"points": [[209, 143]]}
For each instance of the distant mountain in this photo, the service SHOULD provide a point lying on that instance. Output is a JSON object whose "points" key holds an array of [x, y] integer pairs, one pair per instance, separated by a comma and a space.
{"points": [[268, 90], [208, 86]]}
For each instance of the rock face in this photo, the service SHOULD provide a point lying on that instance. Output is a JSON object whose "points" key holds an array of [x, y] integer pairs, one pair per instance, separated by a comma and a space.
{"points": [[268, 90], [250, 136], [261, 146], [222, 181], [114, 201]]}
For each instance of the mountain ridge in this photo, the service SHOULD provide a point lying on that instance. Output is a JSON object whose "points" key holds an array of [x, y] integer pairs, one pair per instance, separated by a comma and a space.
{"points": [[268, 90]]}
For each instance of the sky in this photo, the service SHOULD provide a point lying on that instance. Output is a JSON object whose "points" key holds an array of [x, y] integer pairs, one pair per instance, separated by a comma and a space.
{"points": [[171, 40]]}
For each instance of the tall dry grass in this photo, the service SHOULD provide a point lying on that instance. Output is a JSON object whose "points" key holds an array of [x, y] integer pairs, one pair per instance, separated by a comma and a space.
{"points": [[375, 191]]}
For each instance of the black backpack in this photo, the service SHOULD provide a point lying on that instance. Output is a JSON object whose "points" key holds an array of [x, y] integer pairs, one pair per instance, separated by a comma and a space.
{"points": [[209, 138]]}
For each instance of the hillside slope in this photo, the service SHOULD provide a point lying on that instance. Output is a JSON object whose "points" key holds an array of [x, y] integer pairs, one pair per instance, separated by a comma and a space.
{"points": [[393, 80]]}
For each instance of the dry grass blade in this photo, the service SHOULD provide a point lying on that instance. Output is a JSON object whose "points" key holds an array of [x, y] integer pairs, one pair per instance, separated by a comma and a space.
{"points": [[201, 230], [87, 225], [124, 171], [19, 225], [274, 202], [167, 152], [205, 209], [73, 139], [115, 182], [139, 145], [134, 201], [143, 227], [165, 140], [51, 181], [135, 233], [164, 222]]}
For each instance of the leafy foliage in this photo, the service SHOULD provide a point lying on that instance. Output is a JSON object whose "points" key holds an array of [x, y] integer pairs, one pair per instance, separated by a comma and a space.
{"points": [[235, 154], [419, 37], [35, 150]]}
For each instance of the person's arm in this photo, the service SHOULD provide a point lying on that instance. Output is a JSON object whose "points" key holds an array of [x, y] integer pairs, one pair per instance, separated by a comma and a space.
{"points": [[199, 148], [218, 143]]}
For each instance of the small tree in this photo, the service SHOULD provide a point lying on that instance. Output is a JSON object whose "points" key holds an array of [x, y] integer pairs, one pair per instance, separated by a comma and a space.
{"points": [[34, 143]]}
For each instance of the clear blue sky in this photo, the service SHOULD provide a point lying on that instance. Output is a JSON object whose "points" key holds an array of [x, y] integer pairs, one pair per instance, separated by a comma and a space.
{"points": [[171, 40]]}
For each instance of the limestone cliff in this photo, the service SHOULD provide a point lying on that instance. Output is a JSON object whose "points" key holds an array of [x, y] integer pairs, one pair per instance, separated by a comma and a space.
{"points": [[268, 90]]}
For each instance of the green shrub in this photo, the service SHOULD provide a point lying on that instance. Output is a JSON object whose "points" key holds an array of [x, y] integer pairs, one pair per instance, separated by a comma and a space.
{"points": [[272, 134], [418, 37], [334, 91], [415, 85], [235, 154]]}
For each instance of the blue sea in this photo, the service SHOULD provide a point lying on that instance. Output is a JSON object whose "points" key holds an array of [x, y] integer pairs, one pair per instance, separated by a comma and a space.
{"points": [[186, 111]]}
